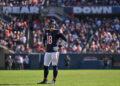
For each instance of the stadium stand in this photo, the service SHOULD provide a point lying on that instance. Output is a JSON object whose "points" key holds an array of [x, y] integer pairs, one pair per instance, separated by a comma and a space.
{"points": [[87, 34], [60, 3], [103, 32], [12, 35], [91, 27], [104, 35]]}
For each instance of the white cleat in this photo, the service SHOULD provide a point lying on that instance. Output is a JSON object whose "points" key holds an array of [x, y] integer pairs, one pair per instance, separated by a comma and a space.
{"points": [[52, 82]]}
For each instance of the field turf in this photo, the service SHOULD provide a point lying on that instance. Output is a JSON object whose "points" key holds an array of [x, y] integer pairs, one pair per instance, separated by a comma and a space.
{"points": [[65, 78]]}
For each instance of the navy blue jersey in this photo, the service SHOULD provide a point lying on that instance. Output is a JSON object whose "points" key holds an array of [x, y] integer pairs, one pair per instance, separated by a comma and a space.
{"points": [[51, 39]]}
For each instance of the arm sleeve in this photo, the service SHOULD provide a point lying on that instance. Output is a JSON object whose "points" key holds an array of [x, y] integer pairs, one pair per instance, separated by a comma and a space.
{"points": [[63, 37], [44, 39]]}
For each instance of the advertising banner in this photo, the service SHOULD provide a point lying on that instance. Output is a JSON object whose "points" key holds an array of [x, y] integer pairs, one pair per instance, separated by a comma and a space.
{"points": [[93, 10], [21, 10]]}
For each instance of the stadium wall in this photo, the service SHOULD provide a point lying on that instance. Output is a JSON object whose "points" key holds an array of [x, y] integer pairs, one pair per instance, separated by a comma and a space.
{"points": [[1, 59], [3, 52], [69, 9], [77, 61]]}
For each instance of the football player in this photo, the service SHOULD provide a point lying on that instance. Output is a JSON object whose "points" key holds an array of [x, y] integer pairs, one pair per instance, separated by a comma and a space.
{"points": [[50, 40]]}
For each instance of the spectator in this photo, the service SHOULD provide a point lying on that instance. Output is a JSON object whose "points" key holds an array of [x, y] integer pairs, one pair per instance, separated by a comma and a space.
{"points": [[67, 61], [107, 63], [19, 62], [26, 62], [9, 62]]}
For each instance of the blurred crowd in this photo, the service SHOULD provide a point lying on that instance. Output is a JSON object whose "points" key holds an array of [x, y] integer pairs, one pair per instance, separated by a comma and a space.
{"points": [[21, 2], [76, 33], [85, 35], [91, 35], [107, 36], [13, 35], [60, 3], [84, 3]]}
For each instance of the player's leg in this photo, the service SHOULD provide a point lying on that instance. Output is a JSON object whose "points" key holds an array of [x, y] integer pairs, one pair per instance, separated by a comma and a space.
{"points": [[47, 61], [55, 57]]}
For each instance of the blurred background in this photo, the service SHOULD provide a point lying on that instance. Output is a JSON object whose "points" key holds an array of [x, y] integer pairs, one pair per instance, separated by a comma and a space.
{"points": [[92, 28]]}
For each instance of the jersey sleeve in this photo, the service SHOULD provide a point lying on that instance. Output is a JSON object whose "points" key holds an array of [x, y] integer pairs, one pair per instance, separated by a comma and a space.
{"points": [[62, 36], [44, 39]]}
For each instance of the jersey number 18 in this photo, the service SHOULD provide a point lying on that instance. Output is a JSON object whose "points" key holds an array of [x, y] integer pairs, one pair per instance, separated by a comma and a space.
{"points": [[49, 39]]}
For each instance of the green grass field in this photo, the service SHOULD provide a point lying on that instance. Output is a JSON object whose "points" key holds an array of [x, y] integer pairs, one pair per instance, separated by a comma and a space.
{"points": [[65, 78]]}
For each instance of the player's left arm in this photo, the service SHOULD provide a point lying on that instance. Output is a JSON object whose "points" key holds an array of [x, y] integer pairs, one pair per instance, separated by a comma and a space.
{"points": [[62, 36], [64, 40]]}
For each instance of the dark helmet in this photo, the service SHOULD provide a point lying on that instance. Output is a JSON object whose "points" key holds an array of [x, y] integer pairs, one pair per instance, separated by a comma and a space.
{"points": [[52, 21]]}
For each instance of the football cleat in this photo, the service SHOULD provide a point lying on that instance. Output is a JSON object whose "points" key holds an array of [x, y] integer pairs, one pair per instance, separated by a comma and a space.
{"points": [[52, 82], [43, 82]]}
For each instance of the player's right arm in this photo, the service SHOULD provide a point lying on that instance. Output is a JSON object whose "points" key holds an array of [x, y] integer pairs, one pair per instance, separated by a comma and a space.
{"points": [[44, 42], [44, 39]]}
